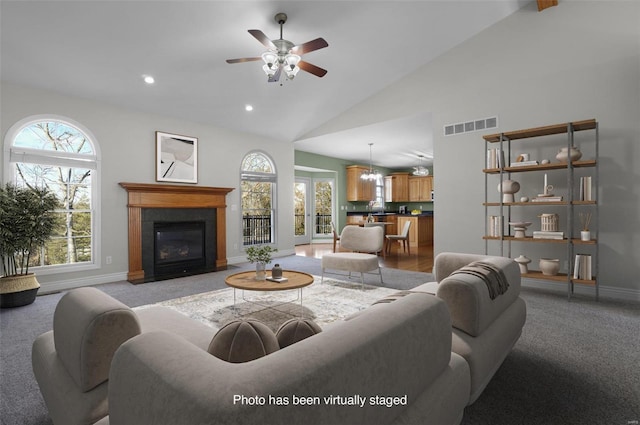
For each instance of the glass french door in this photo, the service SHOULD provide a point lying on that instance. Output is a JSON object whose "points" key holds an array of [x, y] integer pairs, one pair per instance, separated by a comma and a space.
{"points": [[323, 195], [302, 211]]}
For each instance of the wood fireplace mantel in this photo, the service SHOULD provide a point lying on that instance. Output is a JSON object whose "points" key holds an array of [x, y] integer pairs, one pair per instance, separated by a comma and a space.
{"points": [[143, 195]]}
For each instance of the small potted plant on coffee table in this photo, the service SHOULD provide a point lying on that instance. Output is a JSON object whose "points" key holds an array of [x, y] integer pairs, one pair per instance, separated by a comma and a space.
{"points": [[26, 223], [261, 255]]}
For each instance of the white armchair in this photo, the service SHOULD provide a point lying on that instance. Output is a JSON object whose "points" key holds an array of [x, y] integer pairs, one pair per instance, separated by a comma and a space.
{"points": [[364, 244]]}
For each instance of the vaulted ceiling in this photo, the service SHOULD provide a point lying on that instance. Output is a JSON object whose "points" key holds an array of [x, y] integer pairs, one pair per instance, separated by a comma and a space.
{"points": [[100, 49]]}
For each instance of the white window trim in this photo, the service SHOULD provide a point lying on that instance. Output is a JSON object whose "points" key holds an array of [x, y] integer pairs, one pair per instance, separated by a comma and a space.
{"points": [[10, 156]]}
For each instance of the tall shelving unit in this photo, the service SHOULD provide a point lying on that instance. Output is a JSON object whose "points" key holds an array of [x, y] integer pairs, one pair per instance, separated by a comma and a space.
{"points": [[568, 205]]}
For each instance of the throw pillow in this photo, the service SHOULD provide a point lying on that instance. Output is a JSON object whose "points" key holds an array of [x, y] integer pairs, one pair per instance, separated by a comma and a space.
{"points": [[243, 340], [294, 330]]}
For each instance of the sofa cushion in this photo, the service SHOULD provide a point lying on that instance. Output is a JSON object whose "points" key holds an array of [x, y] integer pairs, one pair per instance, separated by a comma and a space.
{"points": [[159, 318], [351, 261], [243, 340], [392, 297], [297, 329], [88, 327]]}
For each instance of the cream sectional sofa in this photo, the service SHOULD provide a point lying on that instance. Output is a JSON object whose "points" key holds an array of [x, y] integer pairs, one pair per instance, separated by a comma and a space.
{"points": [[427, 356], [399, 354]]}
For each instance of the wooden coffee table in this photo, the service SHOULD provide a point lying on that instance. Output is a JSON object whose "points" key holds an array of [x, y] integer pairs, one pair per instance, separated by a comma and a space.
{"points": [[246, 281]]}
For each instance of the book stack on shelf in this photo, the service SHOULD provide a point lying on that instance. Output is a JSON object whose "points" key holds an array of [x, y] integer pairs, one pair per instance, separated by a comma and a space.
{"points": [[585, 189], [495, 158], [582, 267], [522, 163], [544, 198], [495, 226], [539, 234]]}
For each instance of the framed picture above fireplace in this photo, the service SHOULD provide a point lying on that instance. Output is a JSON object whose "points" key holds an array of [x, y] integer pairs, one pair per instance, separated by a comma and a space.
{"points": [[176, 158]]}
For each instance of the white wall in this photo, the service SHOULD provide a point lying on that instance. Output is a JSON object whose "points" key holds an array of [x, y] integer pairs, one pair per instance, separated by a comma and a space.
{"points": [[576, 61], [127, 142]]}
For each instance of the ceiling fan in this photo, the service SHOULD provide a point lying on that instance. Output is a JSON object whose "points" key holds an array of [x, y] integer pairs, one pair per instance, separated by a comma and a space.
{"points": [[283, 55]]}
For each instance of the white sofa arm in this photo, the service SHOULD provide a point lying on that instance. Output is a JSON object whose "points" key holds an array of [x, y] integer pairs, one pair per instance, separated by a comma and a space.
{"points": [[472, 309]]}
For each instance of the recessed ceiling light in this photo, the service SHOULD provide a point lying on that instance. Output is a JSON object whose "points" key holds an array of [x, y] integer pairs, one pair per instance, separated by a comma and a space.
{"points": [[148, 79], [248, 108]]}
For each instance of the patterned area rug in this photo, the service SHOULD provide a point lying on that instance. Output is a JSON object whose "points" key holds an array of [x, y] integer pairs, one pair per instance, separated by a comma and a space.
{"points": [[324, 303]]}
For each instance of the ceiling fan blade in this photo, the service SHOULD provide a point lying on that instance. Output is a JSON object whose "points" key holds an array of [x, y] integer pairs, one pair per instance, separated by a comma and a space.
{"points": [[315, 70], [276, 76], [240, 60], [309, 46], [266, 42]]}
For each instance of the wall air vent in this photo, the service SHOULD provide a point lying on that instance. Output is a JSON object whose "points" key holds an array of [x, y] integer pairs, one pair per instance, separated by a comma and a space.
{"points": [[469, 126]]}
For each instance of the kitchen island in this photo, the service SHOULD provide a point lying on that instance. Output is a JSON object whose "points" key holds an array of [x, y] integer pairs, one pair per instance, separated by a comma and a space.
{"points": [[420, 232]]}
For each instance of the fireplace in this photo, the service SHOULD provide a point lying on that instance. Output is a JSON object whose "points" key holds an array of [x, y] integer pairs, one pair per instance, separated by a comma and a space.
{"points": [[178, 242], [194, 210], [179, 248]]}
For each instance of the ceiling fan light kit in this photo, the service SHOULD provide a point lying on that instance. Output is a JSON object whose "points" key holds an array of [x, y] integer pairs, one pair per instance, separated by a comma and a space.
{"points": [[284, 55]]}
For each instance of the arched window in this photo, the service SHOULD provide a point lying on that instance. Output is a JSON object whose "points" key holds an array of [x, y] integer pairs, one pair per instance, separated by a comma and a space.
{"points": [[55, 153], [258, 187]]}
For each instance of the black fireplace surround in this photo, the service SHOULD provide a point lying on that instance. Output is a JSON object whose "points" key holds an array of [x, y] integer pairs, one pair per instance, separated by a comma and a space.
{"points": [[178, 242]]}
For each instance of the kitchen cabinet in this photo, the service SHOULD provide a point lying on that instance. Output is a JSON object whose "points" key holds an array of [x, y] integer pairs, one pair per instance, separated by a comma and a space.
{"points": [[396, 187], [420, 188], [357, 188]]}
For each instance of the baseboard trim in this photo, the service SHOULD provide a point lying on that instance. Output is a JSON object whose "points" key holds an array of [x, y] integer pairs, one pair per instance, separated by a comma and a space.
{"points": [[243, 258], [63, 285], [66, 284], [605, 291]]}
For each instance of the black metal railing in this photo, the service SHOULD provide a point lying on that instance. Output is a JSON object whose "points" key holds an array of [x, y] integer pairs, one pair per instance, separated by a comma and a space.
{"points": [[323, 224], [257, 229]]}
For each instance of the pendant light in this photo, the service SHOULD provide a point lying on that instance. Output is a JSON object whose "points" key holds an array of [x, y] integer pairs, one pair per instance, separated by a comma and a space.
{"points": [[371, 174]]}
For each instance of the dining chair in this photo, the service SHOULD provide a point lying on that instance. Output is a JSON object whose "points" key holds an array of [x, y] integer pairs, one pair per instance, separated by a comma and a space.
{"points": [[404, 237], [378, 224], [336, 237]]}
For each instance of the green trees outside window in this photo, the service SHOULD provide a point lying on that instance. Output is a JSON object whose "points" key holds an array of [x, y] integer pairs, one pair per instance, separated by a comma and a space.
{"points": [[58, 157]]}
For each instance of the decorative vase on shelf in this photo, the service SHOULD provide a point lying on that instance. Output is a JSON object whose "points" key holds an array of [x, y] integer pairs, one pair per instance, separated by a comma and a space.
{"points": [[508, 188], [565, 153], [522, 261], [261, 272], [549, 266]]}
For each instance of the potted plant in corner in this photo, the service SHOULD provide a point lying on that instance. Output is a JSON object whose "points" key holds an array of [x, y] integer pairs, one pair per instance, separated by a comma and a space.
{"points": [[261, 255], [26, 223]]}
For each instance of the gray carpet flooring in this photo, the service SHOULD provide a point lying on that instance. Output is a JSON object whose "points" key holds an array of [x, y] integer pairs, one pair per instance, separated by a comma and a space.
{"points": [[576, 362]]}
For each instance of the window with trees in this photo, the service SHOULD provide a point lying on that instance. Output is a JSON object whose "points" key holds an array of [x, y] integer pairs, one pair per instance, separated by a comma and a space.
{"points": [[56, 155], [258, 186], [323, 190]]}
